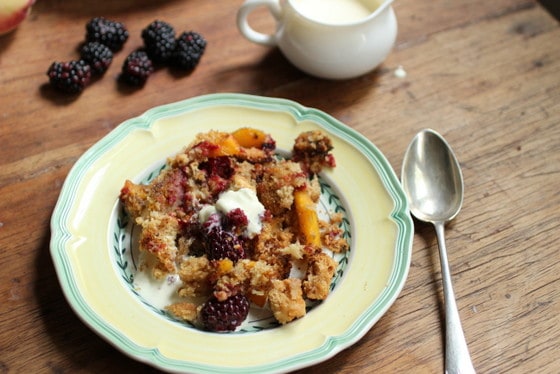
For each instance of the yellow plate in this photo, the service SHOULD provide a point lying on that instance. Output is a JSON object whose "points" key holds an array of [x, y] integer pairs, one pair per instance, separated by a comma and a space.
{"points": [[89, 249]]}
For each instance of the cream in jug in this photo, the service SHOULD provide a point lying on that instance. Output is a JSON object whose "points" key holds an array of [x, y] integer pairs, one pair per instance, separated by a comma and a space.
{"points": [[333, 11]]}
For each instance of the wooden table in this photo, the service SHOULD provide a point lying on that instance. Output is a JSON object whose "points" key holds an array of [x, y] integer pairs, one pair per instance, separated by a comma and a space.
{"points": [[485, 74]]}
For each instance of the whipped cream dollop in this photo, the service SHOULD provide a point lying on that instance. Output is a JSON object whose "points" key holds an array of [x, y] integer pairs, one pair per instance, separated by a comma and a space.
{"points": [[245, 199]]}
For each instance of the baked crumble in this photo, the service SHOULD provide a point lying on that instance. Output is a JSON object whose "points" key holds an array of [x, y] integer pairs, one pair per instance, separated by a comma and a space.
{"points": [[233, 221]]}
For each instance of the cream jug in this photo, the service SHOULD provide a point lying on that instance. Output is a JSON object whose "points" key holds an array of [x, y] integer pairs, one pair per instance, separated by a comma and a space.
{"points": [[332, 39]]}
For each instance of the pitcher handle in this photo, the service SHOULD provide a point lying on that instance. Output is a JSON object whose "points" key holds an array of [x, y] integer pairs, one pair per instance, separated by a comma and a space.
{"points": [[247, 31]]}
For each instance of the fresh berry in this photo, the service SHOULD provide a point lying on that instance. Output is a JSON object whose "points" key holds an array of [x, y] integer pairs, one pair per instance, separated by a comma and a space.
{"points": [[97, 55], [224, 315], [69, 77], [219, 243], [189, 48], [137, 68], [111, 33], [159, 40]]}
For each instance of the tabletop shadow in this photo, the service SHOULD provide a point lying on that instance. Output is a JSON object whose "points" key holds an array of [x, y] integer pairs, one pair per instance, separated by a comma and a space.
{"points": [[125, 88], [6, 40], [69, 336], [59, 98], [273, 75]]}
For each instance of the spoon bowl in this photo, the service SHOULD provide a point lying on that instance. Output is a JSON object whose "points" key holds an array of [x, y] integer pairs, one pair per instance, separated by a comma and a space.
{"points": [[433, 182], [432, 178]]}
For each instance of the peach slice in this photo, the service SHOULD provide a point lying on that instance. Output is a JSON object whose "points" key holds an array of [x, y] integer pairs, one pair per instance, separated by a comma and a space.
{"points": [[249, 138], [308, 221]]}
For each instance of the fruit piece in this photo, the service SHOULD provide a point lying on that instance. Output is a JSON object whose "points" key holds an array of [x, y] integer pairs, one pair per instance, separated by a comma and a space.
{"points": [[12, 13], [236, 219], [257, 299], [159, 40], [137, 68], [249, 138], [221, 244], [219, 172], [217, 166], [111, 33], [224, 315], [227, 146], [189, 48], [224, 266], [98, 56], [69, 77], [308, 222]]}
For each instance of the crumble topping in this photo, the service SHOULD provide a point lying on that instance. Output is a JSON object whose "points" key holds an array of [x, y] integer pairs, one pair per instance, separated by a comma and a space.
{"points": [[234, 224]]}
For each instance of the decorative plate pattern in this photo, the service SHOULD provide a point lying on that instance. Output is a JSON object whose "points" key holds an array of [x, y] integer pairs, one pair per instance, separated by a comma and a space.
{"points": [[92, 243]]}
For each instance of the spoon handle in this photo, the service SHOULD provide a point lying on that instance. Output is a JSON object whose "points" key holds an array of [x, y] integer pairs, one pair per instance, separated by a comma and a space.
{"points": [[457, 357]]}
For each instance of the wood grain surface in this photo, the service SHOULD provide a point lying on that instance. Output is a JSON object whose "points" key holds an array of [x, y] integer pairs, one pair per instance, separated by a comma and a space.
{"points": [[485, 74]]}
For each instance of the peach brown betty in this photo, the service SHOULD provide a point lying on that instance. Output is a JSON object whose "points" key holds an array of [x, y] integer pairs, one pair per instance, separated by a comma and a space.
{"points": [[233, 220]]}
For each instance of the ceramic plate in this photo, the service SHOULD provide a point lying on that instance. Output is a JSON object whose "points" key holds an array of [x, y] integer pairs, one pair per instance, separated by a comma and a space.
{"points": [[93, 252]]}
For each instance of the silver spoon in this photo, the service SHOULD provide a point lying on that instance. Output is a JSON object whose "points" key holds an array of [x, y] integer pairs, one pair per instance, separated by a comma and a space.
{"points": [[433, 183]]}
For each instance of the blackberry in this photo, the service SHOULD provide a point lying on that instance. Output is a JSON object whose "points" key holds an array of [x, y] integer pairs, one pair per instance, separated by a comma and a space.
{"points": [[111, 33], [159, 40], [189, 48], [227, 315], [98, 56], [137, 68], [69, 77], [222, 244]]}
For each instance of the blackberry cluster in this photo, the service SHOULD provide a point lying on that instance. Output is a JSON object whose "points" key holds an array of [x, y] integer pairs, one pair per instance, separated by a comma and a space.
{"points": [[103, 37], [219, 243], [110, 33], [137, 68], [227, 315], [189, 48], [159, 40], [161, 47], [98, 56], [70, 77]]}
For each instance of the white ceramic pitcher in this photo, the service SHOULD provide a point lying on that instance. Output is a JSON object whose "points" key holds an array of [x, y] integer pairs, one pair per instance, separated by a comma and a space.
{"points": [[333, 39]]}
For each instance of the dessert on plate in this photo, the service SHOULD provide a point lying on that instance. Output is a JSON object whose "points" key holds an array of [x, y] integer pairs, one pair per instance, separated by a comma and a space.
{"points": [[235, 225]]}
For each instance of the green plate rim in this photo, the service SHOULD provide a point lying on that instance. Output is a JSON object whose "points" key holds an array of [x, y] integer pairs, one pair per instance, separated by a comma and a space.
{"points": [[60, 234]]}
